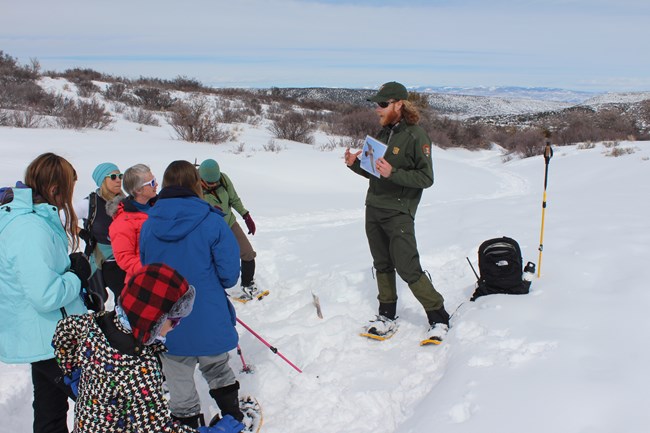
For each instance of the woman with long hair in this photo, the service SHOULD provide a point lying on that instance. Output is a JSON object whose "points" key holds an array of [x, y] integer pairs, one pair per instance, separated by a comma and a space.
{"points": [[39, 285], [188, 234], [92, 209]]}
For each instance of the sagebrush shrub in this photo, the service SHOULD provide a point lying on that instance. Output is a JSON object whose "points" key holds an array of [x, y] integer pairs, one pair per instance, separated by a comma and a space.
{"points": [[195, 121], [141, 116], [80, 114], [154, 99], [293, 126]]}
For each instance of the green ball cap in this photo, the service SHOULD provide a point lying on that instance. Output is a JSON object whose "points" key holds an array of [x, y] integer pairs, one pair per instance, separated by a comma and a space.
{"points": [[389, 92], [209, 171]]}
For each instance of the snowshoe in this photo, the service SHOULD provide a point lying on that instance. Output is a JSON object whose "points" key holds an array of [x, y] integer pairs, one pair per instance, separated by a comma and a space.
{"points": [[252, 411], [248, 293], [380, 328], [435, 334]]}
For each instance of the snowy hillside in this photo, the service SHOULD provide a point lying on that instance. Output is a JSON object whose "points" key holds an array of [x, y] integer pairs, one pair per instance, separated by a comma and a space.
{"points": [[569, 357], [513, 92], [617, 98], [461, 103], [464, 106]]}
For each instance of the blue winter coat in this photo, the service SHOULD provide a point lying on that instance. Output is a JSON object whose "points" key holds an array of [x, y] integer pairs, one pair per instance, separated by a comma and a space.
{"points": [[35, 285], [192, 237]]}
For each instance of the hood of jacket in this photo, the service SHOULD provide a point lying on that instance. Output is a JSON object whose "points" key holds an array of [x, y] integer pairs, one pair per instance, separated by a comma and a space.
{"points": [[121, 204], [22, 204], [113, 205], [178, 211]]}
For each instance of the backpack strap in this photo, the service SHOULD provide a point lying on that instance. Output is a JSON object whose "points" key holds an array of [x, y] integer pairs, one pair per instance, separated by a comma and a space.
{"points": [[6, 194], [91, 242]]}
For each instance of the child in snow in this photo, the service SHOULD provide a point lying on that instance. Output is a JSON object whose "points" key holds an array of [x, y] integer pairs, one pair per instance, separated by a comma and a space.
{"points": [[110, 358]]}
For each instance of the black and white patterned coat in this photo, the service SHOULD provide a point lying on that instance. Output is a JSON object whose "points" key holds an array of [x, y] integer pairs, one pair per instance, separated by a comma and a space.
{"points": [[118, 392]]}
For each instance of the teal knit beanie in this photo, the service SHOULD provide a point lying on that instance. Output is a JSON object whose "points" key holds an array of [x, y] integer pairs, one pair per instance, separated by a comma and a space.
{"points": [[209, 171], [103, 169]]}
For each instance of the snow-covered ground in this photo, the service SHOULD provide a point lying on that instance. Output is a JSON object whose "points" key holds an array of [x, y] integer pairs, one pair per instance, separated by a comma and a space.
{"points": [[569, 357]]}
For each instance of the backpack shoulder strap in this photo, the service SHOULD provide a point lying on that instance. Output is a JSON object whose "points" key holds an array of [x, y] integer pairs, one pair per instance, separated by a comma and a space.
{"points": [[6, 194], [88, 223], [92, 209]]}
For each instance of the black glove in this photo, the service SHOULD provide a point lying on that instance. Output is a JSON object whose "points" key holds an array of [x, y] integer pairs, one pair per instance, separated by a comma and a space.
{"points": [[80, 266], [85, 235]]}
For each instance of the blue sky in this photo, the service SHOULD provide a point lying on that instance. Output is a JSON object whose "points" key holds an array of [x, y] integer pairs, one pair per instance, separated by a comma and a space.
{"points": [[574, 44]]}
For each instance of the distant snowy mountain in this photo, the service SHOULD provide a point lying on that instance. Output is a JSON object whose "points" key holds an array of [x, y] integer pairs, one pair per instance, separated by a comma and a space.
{"points": [[617, 98], [513, 92], [465, 106]]}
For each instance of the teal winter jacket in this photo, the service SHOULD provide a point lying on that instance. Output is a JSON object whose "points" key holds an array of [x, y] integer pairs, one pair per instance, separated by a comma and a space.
{"points": [[36, 287]]}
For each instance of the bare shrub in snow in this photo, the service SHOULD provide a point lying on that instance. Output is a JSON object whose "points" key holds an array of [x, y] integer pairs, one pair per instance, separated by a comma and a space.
{"points": [[293, 126], [232, 115], [154, 99], [118, 92], [86, 89], [22, 119], [356, 123], [239, 148], [141, 116], [272, 146], [527, 142], [620, 151], [80, 114], [194, 121], [335, 143]]}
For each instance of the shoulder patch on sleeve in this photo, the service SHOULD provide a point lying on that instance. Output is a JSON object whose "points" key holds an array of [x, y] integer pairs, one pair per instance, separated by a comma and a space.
{"points": [[426, 149]]}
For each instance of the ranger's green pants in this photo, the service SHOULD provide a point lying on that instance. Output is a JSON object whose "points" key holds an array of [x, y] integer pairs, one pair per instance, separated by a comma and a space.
{"points": [[391, 237]]}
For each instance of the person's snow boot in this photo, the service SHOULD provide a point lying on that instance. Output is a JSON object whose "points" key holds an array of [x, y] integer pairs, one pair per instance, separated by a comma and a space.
{"points": [[252, 291], [227, 399], [438, 316], [247, 272], [244, 294], [438, 326], [388, 310], [194, 421]]}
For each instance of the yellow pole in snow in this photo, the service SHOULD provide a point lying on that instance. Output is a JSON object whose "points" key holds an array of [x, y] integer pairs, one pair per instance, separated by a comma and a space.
{"points": [[548, 153]]}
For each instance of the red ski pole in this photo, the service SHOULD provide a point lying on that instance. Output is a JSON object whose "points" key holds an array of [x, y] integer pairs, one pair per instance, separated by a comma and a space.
{"points": [[273, 349], [245, 367]]}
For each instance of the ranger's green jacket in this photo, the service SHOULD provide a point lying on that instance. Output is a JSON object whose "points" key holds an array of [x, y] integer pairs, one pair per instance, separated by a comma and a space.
{"points": [[225, 197], [409, 152]]}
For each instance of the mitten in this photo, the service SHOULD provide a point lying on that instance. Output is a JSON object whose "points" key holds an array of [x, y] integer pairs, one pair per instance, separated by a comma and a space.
{"points": [[227, 424], [85, 235], [72, 380], [249, 223], [80, 266]]}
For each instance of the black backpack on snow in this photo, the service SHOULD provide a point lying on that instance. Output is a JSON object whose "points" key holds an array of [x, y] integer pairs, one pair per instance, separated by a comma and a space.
{"points": [[501, 268]]}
